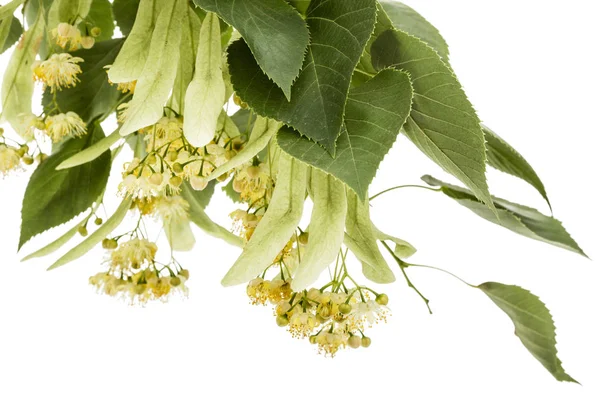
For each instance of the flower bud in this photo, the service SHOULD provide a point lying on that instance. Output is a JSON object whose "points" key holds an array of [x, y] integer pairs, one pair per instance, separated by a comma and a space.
{"points": [[151, 159], [1, 132], [229, 154], [177, 168], [313, 339], [282, 320], [98, 221], [39, 124], [223, 177], [27, 160], [185, 273], [175, 181], [253, 171], [345, 308], [303, 238], [156, 179], [64, 29], [95, 31], [82, 230], [109, 244], [198, 182], [172, 155], [238, 186], [365, 342], [354, 342], [382, 299], [87, 42], [175, 281]]}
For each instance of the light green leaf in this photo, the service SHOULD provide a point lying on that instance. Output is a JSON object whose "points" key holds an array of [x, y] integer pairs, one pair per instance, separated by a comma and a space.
{"points": [[101, 16], [205, 95], [244, 119], [10, 32], [158, 76], [375, 112], [520, 219], [125, 12], [403, 249], [277, 225], [339, 30], [55, 245], [326, 229], [71, 11], [96, 237], [17, 83], [8, 9], [275, 32], [199, 217], [505, 158], [533, 324], [91, 153], [179, 234], [130, 62], [264, 129], [442, 123], [361, 240], [66, 193]]}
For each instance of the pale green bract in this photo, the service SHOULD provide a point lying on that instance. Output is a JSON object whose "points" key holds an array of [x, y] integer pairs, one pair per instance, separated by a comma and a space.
{"points": [[205, 95], [326, 229], [402, 250], [277, 225], [92, 152], [8, 9], [54, 246], [179, 234]]}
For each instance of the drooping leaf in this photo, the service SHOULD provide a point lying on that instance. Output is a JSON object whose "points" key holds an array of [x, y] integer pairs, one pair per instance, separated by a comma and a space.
{"points": [[523, 220], [442, 123], [10, 32], [361, 240], [101, 16], [375, 112], [198, 216], [533, 324], [8, 9], [156, 80], [93, 97], [55, 197], [91, 153], [326, 229], [179, 234], [205, 95], [339, 30], [264, 129], [125, 12], [96, 237], [505, 158], [54, 246], [130, 62], [402, 250], [277, 225], [274, 31]]}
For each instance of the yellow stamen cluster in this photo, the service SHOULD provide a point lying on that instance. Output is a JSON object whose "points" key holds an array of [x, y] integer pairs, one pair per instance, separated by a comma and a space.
{"points": [[132, 255], [127, 87], [69, 37], [61, 126], [254, 184], [244, 223], [58, 72], [262, 291], [10, 159], [171, 208]]}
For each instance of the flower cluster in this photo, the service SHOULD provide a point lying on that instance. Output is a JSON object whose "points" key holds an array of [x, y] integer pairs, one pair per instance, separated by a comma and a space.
{"points": [[68, 37]]}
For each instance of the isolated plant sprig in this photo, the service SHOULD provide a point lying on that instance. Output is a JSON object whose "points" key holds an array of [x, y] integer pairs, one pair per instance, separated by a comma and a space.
{"points": [[323, 89]]}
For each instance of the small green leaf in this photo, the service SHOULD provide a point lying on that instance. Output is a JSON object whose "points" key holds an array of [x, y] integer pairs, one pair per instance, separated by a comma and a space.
{"points": [[505, 158], [403, 249], [179, 234], [264, 129], [339, 30], [442, 123], [55, 197], [55, 245], [10, 32], [199, 217], [125, 12], [158, 76], [278, 37], [205, 95], [91, 153], [101, 16], [520, 219], [277, 225], [96, 237], [93, 97], [326, 229], [361, 240], [533, 324], [375, 112]]}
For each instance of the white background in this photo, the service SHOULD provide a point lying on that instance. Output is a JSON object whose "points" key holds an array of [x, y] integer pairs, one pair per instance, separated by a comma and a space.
{"points": [[531, 70]]}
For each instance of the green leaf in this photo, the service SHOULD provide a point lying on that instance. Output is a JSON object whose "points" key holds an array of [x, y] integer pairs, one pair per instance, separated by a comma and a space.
{"points": [[199, 217], [125, 12], [375, 112], [94, 97], [55, 197], [158, 76], [300, 5], [505, 158], [277, 225], [179, 234], [275, 32], [339, 30], [17, 83], [91, 153], [130, 62], [264, 129], [55, 245], [96, 237], [361, 240], [71, 11], [205, 95], [244, 119], [202, 197], [10, 32], [101, 15], [326, 229], [403, 249], [8, 9], [520, 219], [533, 324], [442, 123]]}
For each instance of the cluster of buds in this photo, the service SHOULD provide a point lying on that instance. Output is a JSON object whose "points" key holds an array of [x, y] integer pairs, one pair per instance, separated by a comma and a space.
{"points": [[14, 155], [68, 37]]}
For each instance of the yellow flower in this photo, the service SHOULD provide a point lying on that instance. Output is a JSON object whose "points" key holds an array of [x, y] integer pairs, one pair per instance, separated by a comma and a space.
{"points": [[302, 324], [127, 87], [59, 71], [66, 34], [65, 125], [132, 255], [9, 159], [330, 342]]}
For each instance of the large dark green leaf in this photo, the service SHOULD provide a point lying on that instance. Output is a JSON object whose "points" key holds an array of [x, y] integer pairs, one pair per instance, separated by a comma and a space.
{"points": [[533, 324], [505, 158], [101, 16], [94, 96], [523, 220], [274, 31], [375, 113], [54, 197], [10, 32], [339, 30], [442, 123], [125, 12]]}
